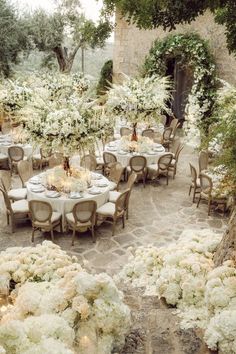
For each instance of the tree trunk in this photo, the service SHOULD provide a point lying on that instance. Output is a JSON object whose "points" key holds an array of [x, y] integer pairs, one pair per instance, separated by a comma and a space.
{"points": [[65, 60], [227, 247]]}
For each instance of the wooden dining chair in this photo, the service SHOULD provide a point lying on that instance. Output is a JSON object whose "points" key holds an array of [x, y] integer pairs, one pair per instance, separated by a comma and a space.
{"points": [[124, 131], [19, 210], [43, 217], [16, 154], [89, 162], [149, 133], [114, 211], [83, 216], [206, 193], [195, 182], [14, 194], [138, 165], [25, 171]]}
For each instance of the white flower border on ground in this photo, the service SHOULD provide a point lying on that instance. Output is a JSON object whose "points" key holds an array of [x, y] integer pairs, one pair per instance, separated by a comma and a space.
{"points": [[183, 273], [57, 307]]}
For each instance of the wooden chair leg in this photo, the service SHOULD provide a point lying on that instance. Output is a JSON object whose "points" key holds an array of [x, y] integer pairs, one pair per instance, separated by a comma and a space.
{"points": [[123, 220], [61, 230], [190, 189], [32, 237], [209, 207], [8, 220], [52, 234], [194, 193], [113, 227], [12, 225], [92, 232], [199, 201], [73, 237], [167, 178]]}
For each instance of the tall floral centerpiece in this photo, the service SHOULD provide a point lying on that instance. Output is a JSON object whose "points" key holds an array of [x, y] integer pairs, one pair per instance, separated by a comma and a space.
{"points": [[139, 99], [64, 126]]}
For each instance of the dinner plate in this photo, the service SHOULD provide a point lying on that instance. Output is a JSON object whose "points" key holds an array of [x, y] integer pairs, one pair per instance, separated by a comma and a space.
{"points": [[122, 152], [52, 194], [151, 153], [40, 189], [111, 148], [75, 195], [94, 191], [34, 181], [160, 149], [96, 176], [102, 184]]}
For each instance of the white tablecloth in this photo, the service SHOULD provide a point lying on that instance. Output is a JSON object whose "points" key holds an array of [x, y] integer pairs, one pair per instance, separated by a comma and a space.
{"points": [[6, 142], [124, 159], [64, 204]]}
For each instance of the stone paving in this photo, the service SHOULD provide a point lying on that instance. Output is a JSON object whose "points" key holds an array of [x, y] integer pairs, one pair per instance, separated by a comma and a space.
{"points": [[158, 215]]}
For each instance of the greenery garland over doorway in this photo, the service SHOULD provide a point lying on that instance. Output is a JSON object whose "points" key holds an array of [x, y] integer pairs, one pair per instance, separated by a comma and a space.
{"points": [[188, 49]]}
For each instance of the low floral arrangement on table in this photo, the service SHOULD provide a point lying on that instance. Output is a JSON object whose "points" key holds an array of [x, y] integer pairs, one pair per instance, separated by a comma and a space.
{"points": [[184, 274], [142, 145], [57, 179], [139, 99], [55, 307]]}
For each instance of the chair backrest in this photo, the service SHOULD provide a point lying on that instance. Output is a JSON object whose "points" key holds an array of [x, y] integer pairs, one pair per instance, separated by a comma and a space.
{"points": [[16, 153], [164, 161], [132, 178], [125, 131], [54, 161], [178, 152], [203, 160], [25, 171], [174, 123], [167, 133], [116, 171], [85, 211], [138, 163], [121, 202], [206, 184], [175, 146], [193, 174], [89, 162], [108, 158], [6, 127], [40, 211], [6, 200], [5, 178], [148, 133], [163, 120]]}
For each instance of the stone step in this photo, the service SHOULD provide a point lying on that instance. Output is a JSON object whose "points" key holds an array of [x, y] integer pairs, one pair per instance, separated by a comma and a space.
{"points": [[156, 330]]}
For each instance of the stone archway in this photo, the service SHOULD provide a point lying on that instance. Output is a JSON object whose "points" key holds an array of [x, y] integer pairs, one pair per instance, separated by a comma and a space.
{"points": [[190, 53]]}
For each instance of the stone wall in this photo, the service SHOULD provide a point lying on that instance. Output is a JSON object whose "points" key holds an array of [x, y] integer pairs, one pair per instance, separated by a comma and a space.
{"points": [[132, 45]]}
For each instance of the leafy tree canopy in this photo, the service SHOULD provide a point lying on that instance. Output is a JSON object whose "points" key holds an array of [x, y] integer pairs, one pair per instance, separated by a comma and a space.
{"points": [[149, 14], [13, 37], [66, 30]]}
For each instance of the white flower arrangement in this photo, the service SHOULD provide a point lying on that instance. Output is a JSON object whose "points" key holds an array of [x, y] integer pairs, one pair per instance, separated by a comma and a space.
{"points": [[184, 274], [142, 145], [57, 307], [139, 99]]}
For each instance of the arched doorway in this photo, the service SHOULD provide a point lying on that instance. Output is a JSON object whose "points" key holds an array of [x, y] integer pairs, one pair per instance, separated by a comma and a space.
{"points": [[187, 58]]}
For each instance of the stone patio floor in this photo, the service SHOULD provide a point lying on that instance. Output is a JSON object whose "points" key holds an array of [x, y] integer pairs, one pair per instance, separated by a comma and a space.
{"points": [[158, 215]]}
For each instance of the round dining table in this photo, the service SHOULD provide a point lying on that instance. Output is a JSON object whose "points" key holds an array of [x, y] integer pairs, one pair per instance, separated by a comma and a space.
{"points": [[123, 157], [64, 202]]}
